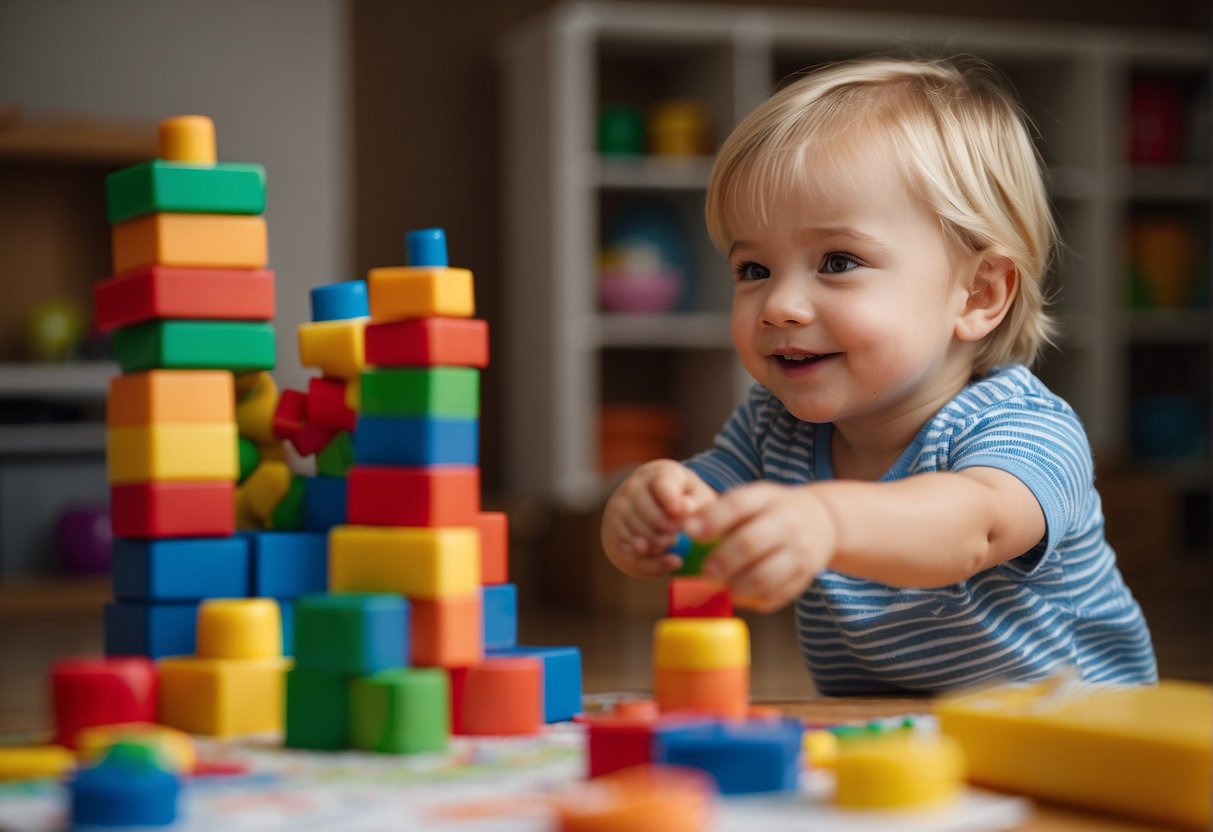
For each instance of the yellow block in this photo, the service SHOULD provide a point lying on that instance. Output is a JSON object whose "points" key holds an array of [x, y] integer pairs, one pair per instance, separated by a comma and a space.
{"points": [[820, 748], [897, 771], [403, 292], [227, 241], [188, 139], [255, 409], [176, 748], [159, 396], [172, 453], [1141, 751], [701, 644], [417, 562], [335, 348], [239, 628], [221, 697], [246, 518], [34, 762], [266, 486]]}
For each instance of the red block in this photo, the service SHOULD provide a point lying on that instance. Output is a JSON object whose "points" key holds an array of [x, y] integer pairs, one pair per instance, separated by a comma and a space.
{"points": [[312, 438], [101, 691], [501, 696], [694, 597], [173, 292], [428, 342], [447, 632], [616, 742], [440, 495], [173, 509], [494, 527], [290, 415], [326, 405]]}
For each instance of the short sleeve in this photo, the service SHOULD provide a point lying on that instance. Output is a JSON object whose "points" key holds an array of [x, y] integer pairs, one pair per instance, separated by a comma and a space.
{"points": [[735, 455]]}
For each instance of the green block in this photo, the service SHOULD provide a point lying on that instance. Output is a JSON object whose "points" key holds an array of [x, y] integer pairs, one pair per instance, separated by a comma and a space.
{"points": [[317, 704], [400, 711], [195, 345], [692, 560], [336, 458], [179, 187], [416, 391], [250, 457], [288, 514], [353, 633]]}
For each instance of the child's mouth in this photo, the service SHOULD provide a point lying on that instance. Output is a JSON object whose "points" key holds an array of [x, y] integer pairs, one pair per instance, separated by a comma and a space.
{"points": [[796, 363]]}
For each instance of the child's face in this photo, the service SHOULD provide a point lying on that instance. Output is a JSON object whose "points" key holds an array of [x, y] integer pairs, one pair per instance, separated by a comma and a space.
{"points": [[846, 300]]}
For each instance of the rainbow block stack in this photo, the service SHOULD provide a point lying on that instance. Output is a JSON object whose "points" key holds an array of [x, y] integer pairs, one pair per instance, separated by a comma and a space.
{"points": [[189, 305]]}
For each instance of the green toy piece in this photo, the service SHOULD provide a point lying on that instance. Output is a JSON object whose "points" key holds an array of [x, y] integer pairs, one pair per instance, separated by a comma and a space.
{"points": [[317, 703], [239, 346], [337, 457], [287, 516], [452, 392], [184, 188], [400, 711], [249, 457], [692, 552]]}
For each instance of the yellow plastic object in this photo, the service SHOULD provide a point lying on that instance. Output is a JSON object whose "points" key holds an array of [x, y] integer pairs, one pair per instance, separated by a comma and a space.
{"points": [[170, 396], [353, 393], [265, 488], [246, 518], [402, 292], [701, 644], [335, 348], [239, 628], [1142, 751], [172, 453], [188, 139], [820, 749], [258, 398], [215, 240], [898, 771], [222, 697], [176, 748], [415, 561], [34, 762]]}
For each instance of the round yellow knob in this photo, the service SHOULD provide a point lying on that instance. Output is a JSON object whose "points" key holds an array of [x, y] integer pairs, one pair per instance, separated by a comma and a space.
{"points": [[887, 773], [188, 139], [239, 628], [701, 644]]}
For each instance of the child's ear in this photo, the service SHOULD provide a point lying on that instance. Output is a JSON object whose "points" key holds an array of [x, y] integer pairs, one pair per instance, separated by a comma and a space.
{"points": [[991, 291]]}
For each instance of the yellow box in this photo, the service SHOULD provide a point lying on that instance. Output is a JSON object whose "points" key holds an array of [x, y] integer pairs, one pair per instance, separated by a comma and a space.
{"points": [[1141, 751], [239, 628], [258, 398], [215, 240], [417, 562], [402, 292], [221, 697], [335, 348], [266, 486], [166, 396], [701, 644], [172, 453]]}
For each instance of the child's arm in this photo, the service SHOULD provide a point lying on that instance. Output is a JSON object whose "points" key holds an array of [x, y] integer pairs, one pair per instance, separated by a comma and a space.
{"points": [[926, 530]]}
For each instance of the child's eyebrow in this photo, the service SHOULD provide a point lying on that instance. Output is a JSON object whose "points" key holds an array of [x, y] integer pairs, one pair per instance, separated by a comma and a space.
{"points": [[819, 232]]}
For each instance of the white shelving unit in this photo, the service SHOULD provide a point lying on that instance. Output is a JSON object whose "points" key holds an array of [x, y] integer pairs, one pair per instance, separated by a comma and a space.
{"points": [[564, 355]]}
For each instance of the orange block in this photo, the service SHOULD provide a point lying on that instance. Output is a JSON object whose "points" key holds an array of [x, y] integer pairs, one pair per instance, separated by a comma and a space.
{"points": [[216, 240], [500, 696], [158, 396], [494, 528], [397, 293], [447, 632], [723, 692], [641, 798]]}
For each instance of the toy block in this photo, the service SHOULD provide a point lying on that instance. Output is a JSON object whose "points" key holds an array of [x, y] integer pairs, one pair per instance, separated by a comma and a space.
{"points": [[172, 453], [287, 564], [899, 772], [174, 749], [426, 247], [187, 569], [126, 789], [312, 439], [447, 632], [222, 697], [161, 186], [176, 396], [701, 643], [694, 597], [401, 292], [187, 139], [339, 301], [195, 345], [247, 456], [500, 605], [417, 441], [448, 392], [722, 692], [415, 561], [152, 629], [561, 678], [494, 528], [355, 634], [183, 293], [239, 628], [286, 606], [324, 503], [1146, 752], [317, 709], [173, 509], [266, 487], [101, 691], [35, 762], [290, 414], [335, 348], [195, 240], [353, 393], [326, 405], [648, 797], [446, 495], [692, 552], [743, 758], [337, 457], [288, 514], [498, 697], [400, 711], [428, 342], [256, 406], [617, 742]]}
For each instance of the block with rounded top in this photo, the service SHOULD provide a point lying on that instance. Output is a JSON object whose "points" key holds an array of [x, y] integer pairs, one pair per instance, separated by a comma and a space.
{"points": [[898, 771], [400, 711], [498, 697], [205, 240], [351, 633], [338, 301], [222, 697], [188, 138], [426, 247], [335, 348], [88, 691], [701, 643], [159, 396], [174, 452], [239, 628], [403, 292], [126, 789], [415, 561]]}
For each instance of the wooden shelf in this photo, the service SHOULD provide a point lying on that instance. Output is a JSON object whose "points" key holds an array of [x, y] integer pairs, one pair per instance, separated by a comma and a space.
{"points": [[52, 596], [75, 140]]}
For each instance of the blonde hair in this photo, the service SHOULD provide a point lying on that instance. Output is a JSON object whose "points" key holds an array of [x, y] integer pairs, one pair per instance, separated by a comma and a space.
{"points": [[964, 148]]}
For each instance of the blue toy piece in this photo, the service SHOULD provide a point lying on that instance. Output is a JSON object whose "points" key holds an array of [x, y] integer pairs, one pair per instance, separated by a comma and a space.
{"points": [[561, 678], [154, 629], [287, 609], [340, 301], [288, 564], [351, 633], [761, 755], [180, 569], [323, 503], [416, 441], [500, 614], [426, 247], [124, 789]]}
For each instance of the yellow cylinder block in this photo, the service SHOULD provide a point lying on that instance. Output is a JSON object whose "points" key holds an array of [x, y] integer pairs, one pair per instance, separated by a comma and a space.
{"points": [[239, 628], [188, 139], [701, 644], [898, 771]]}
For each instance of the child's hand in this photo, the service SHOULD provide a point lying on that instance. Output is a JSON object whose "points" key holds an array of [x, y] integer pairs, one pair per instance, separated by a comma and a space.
{"points": [[643, 516], [774, 539]]}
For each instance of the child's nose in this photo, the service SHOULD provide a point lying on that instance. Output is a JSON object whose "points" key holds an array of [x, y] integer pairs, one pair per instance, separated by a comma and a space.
{"points": [[787, 303]]}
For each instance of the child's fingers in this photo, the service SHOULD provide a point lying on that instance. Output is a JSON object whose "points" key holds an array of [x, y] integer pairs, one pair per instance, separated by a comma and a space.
{"points": [[770, 583], [720, 517], [669, 491], [652, 515]]}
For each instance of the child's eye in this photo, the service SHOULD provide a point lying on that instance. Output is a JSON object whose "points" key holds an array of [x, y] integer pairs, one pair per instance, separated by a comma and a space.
{"points": [[837, 262], [751, 271]]}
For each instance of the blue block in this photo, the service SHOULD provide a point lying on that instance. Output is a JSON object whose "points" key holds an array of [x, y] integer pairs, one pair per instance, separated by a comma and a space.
{"points": [[156, 629], [353, 633], [287, 607], [416, 441], [500, 613], [288, 564], [340, 301], [180, 569], [561, 678], [323, 503], [426, 247], [121, 793], [761, 755]]}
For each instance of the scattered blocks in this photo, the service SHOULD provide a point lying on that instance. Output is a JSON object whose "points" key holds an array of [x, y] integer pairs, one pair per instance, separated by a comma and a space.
{"points": [[287, 564], [335, 348], [173, 509], [426, 342], [239, 346], [500, 602], [401, 711], [702, 665], [899, 772], [266, 487], [256, 404], [162, 628], [222, 697], [418, 562], [417, 441], [127, 788], [203, 240], [354, 634], [743, 758], [101, 691], [172, 396], [499, 697], [161, 186], [561, 678], [404, 292], [448, 632], [239, 628], [180, 570], [172, 453], [340, 301], [695, 597], [398, 496], [327, 406]]}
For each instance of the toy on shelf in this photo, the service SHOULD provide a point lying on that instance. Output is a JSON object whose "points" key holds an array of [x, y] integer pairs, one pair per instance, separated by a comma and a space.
{"points": [[644, 264], [680, 127], [621, 132]]}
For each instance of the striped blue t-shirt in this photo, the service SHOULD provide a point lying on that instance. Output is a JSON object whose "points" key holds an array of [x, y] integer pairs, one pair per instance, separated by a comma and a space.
{"points": [[1063, 603]]}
